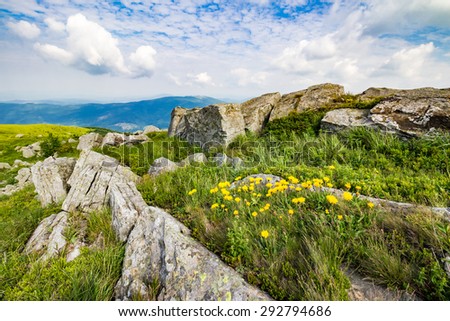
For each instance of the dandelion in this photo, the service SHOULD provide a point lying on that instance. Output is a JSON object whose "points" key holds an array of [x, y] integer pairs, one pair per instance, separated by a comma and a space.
{"points": [[236, 212], [340, 217], [331, 167], [237, 178], [254, 214], [247, 203], [192, 192], [293, 179], [326, 179], [267, 206], [237, 199], [228, 198], [327, 212], [251, 188], [298, 189], [214, 206], [332, 199], [358, 188], [269, 185], [348, 185], [245, 188], [222, 206], [370, 205], [265, 234], [291, 212], [225, 191], [329, 185], [214, 190], [298, 200], [347, 196], [251, 179]]}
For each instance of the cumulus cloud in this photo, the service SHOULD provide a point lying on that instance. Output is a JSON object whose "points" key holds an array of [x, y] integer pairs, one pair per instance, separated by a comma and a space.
{"points": [[92, 48], [24, 29], [203, 79], [54, 25], [246, 77]]}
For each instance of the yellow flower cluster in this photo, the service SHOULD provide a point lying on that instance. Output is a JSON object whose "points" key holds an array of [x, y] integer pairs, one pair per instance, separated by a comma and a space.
{"points": [[332, 199], [347, 196], [265, 234], [298, 200], [192, 192]]}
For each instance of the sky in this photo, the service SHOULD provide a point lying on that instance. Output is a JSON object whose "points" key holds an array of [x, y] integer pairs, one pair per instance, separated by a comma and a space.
{"points": [[129, 50]]}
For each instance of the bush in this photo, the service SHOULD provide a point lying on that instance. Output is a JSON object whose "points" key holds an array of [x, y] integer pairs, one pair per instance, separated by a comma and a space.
{"points": [[50, 145]]}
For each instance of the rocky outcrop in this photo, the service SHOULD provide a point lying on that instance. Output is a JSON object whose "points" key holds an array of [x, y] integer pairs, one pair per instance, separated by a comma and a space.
{"points": [[150, 129], [117, 139], [31, 150], [48, 238], [50, 179], [374, 93], [91, 180], [408, 113], [23, 179], [313, 97], [176, 116], [20, 163], [160, 251], [162, 165], [257, 111], [90, 141]]}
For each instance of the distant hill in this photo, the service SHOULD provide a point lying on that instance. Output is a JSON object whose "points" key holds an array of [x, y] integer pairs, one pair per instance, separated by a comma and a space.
{"points": [[118, 116]]}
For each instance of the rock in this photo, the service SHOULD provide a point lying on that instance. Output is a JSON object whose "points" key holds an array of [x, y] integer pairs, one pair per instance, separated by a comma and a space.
{"points": [[17, 148], [237, 162], [311, 98], [150, 129], [89, 141], [214, 125], [136, 139], [23, 177], [36, 147], [162, 165], [257, 111], [264, 179], [126, 204], [373, 93], [447, 265], [197, 158], [176, 115], [159, 250], [91, 180], [28, 152], [340, 119], [221, 159], [50, 179], [5, 166], [48, 238], [72, 141], [20, 163], [413, 112], [114, 139], [19, 135]]}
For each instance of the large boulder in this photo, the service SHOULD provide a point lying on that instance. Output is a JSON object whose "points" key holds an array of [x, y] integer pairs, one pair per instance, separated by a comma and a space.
{"points": [[311, 98], [50, 179], [176, 116], [91, 180], [339, 119], [160, 250], [136, 139], [257, 111], [114, 139], [376, 93], [162, 165], [214, 125], [150, 129], [5, 166], [90, 141], [414, 112]]}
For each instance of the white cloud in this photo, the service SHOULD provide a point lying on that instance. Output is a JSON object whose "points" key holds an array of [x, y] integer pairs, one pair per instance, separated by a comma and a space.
{"points": [[55, 25], [92, 48], [24, 29], [203, 79], [246, 77]]}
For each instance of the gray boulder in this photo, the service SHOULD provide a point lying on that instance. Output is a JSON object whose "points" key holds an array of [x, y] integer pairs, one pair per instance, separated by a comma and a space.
{"points": [[5, 166], [50, 179], [136, 139], [20, 163], [19, 135], [160, 250], [114, 139], [176, 116], [28, 152], [48, 238], [23, 177], [221, 159], [311, 98], [257, 111], [150, 129], [90, 141], [197, 158], [162, 165], [340, 119], [91, 180]]}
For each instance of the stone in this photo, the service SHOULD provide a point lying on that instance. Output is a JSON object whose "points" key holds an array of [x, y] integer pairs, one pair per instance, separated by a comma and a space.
{"points": [[160, 250], [35, 147], [114, 139], [71, 141], [221, 159], [237, 162], [197, 158], [257, 111], [126, 204], [374, 93], [28, 152], [5, 166], [50, 179], [90, 141], [413, 113], [175, 118], [93, 176], [265, 178], [339, 119], [48, 238], [23, 177], [20, 163], [138, 132], [211, 126], [19, 135], [150, 129], [311, 98], [136, 139], [162, 165]]}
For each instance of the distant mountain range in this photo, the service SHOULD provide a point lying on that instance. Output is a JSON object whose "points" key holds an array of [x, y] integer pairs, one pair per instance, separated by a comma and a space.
{"points": [[129, 116]]}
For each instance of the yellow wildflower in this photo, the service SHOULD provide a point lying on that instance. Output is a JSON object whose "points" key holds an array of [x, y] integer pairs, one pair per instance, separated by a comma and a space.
{"points": [[236, 212], [245, 188], [327, 212], [254, 214], [298, 189], [222, 206], [238, 178], [251, 179], [269, 179], [291, 212], [225, 191], [329, 185], [267, 206], [370, 205], [265, 234], [348, 185], [214, 190], [215, 205], [347, 196], [237, 199], [358, 188], [298, 200], [332, 199], [228, 198], [247, 203], [331, 167], [269, 185], [192, 192], [326, 179], [340, 217]]}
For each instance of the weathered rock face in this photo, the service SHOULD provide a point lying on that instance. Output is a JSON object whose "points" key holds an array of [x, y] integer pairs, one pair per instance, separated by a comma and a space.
{"points": [[91, 179], [113, 139], [312, 98], [136, 139], [162, 165], [23, 179], [150, 129], [48, 238], [339, 119], [90, 141], [257, 111], [50, 179], [373, 93], [214, 125], [159, 250], [176, 115], [414, 112]]}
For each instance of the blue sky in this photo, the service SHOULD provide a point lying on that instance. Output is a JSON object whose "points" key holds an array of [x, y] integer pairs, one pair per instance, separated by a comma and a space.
{"points": [[126, 50]]}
